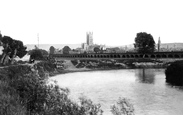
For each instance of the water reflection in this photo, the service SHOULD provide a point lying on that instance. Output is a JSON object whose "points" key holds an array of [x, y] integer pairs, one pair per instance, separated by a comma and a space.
{"points": [[145, 76]]}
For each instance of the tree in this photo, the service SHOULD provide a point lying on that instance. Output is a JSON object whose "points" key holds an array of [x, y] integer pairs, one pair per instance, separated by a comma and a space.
{"points": [[37, 54], [12, 48], [66, 49], [96, 50], [144, 43], [174, 74], [18, 49], [52, 50], [0, 38]]}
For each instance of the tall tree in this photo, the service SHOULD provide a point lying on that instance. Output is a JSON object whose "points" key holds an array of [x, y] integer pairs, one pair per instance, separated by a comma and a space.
{"points": [[12, 48], [52, 50], [66, 49], [144, 43]]}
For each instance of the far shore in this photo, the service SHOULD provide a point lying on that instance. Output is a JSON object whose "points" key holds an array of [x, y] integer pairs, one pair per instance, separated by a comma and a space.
{"points": [[82, 66]]}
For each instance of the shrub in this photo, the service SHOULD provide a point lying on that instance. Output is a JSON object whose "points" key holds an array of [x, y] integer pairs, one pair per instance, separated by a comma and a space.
{"points": [[122, 107], [174, 73], [9, 101], [27, 90], [74, 62], [37, 54]]}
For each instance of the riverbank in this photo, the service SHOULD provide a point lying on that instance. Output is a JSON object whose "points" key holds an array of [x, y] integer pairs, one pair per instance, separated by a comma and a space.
{"points": [[110, 64], [68, 66], [24, 90]]}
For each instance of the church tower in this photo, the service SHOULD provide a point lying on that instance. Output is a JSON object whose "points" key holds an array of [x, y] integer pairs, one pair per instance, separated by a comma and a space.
{"points": [[89, 38], [159, 44]]}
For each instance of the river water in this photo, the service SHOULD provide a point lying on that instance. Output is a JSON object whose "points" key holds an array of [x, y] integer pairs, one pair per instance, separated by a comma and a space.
{"points": [[146, 89]]}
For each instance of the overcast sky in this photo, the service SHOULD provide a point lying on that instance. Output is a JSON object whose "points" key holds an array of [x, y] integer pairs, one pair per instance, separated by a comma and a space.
{"points": [[113, 22]]}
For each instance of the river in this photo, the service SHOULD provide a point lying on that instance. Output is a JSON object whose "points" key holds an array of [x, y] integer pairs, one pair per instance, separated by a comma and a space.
{"points": [[146, 90]]}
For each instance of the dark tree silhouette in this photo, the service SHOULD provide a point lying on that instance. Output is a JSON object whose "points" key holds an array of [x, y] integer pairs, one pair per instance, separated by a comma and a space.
{"points": [[37, 54], [52, 50], [12, 48], [96, 50], [144, 43], [174, 73], [66, 49]]}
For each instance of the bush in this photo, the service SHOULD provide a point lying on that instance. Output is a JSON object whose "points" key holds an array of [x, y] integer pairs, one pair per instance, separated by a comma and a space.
{"points": [[9, 101], [122, 107], [174, 73], [74, 62], [37, 54], [27, 92]]}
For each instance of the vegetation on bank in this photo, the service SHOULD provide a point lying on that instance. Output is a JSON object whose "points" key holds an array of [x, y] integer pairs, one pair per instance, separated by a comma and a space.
{"points": [[122, 107], [11, 48], [24, 90], [174, 73], [97, 64], [119, 64]]}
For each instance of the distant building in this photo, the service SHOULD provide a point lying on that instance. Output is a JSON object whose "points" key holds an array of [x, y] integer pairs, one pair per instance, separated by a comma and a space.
{"points": [[84, 46], [159, 43], [80, 50], [89, 45], [89, 38]]}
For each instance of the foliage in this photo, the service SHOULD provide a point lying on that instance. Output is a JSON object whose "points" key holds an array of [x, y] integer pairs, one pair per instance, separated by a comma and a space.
{"points": [[97, 64], [14, 45], [123, 107], [21, 49], [74, 62], [66, 49], [96, 50], [93, 109], [0, 38], [144, 43], [35, 97], [52, 50], [12, 48], [44, 52], [9, 101], [174, 73], [37, 54]]}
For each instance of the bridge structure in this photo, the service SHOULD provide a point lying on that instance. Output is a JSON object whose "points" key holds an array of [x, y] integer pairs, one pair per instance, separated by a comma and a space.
{"points": [[129, 55]]}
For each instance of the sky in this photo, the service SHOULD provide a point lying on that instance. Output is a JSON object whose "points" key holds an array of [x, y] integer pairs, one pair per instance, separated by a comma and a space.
{"points": [[113, 22]]}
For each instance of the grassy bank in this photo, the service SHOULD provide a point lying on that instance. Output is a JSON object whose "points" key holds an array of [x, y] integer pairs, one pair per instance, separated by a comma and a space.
{"points": [[24, 90]]}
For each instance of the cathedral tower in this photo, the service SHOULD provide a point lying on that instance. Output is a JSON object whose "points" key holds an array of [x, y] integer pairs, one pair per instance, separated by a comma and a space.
{"points": [[159, 43], [89, 38]]}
